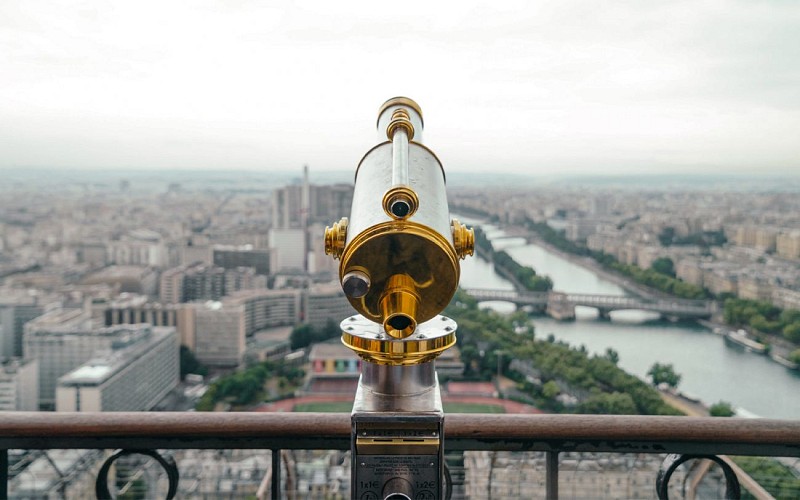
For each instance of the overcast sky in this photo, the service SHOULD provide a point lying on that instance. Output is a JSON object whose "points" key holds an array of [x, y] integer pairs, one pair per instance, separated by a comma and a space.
{"points": [[576, 87]]}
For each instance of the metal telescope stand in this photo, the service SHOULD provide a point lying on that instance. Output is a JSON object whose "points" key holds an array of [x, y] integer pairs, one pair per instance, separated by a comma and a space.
{"points": [[399, 267]]}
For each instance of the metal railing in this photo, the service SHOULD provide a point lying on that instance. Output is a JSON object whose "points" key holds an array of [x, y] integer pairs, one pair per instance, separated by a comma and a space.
{"points": [[552, 434]]}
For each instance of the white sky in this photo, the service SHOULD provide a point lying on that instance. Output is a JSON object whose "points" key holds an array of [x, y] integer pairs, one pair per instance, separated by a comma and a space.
{"points": [[577, 87]]}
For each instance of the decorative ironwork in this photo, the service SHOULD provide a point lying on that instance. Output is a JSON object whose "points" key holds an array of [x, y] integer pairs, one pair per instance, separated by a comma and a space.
{"points": [[553, 434], [733, 490], [166, 462]]}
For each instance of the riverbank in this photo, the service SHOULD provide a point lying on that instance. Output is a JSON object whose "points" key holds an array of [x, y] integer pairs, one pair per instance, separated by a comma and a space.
{"points": [[592, 265], [778, 351]]}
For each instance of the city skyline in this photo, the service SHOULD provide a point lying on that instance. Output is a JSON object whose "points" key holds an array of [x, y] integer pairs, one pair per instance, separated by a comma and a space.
{"points": [[569, 88]]}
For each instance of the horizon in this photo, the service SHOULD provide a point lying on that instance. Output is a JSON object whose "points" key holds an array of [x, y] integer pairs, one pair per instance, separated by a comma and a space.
{"points": [[232, 179]]}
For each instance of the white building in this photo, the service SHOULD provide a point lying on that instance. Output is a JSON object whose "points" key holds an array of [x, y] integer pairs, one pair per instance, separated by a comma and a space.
{"points": [[63, 340], [267, 308], [140, 247], [143, 367], [287, 249], [219, 336], [19, 385]]}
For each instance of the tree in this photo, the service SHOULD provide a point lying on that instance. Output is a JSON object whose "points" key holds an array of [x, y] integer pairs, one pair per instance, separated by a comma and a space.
{"points": [[612, 355], [551, 389], [664, 374], [189, 363], [615, 403], [302, 336], [667, 236], [794, 356], [664, 265], [792, 332], [722, 409]]}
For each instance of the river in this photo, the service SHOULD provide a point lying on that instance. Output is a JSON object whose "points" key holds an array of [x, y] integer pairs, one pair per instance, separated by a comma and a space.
{"points": [[712, 368]]}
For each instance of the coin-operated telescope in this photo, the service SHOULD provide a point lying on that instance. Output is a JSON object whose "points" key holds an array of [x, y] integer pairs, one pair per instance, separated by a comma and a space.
{"points": [[399, 267]]}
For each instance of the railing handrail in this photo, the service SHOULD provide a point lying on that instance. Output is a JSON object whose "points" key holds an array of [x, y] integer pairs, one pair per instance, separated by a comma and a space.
{"points": [[549, 432]]}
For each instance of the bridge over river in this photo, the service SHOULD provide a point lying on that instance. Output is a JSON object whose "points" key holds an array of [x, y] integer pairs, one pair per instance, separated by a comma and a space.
{"points": [[562, 305]]}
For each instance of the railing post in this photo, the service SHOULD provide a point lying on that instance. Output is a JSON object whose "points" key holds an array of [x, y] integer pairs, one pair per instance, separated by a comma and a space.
{"points": [[551, 475], [4, 473], [276, 474]]}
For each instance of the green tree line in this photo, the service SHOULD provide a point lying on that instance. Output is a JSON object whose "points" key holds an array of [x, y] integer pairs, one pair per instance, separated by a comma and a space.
{"points": [[482, 243], [484, 335], [305, 335], [247, 387], [661, 276], [776, 478], [660, 281], [525, 275], [763, 317]]}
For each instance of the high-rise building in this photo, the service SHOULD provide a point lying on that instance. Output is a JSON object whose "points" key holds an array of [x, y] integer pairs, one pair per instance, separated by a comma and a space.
{"points": [[201, 282], [63, 340], [319, 264], [326, 302], [196, 249], [16, 309], [243, 278], [219, 338], [287, 250], [266, 308], [232, 257], [142, 368], [328, 203], [129, 309], [287, 207], [19, 385], [170, 286], [140, 247], [788, 244], [296, 207], [127, 278]]}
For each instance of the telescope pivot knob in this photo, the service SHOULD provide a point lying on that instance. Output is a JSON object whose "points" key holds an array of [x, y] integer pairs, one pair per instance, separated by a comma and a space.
{"points": [[463, 239], [335, 238]]}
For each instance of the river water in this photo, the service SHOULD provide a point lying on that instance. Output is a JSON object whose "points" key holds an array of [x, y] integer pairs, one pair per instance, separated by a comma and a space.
{"points": [[712, 368]]}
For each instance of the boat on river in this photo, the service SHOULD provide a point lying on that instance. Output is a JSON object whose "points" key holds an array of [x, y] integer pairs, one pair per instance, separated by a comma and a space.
{"points": [[740, 338]]}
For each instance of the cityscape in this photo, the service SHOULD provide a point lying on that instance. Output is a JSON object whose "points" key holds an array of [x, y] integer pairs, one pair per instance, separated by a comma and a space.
{"points": [[141, 294], [564, 261]]}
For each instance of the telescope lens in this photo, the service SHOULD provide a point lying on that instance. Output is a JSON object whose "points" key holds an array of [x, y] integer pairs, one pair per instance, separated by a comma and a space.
{"points": [[400, 208], [400, 322]]}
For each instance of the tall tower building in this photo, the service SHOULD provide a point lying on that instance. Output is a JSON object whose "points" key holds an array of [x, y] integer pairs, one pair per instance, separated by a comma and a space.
{"points": [[295, 209]]}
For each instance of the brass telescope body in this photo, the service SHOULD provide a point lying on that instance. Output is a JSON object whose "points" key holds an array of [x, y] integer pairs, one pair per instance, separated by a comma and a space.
{"points": [[399, 252]]}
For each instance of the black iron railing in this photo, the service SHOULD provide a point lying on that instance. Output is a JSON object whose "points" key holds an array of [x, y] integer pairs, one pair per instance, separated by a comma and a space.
{"points": [[552, 434]]}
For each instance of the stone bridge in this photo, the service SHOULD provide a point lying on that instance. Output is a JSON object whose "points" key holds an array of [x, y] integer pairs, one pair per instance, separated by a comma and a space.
{"points": [[562, 305]]}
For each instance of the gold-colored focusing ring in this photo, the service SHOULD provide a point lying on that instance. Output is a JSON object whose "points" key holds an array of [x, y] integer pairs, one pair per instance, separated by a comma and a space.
{"points": [[400, 118], [400, 101], [398, 352], [400, 194]]}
